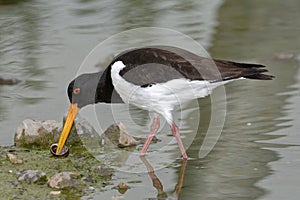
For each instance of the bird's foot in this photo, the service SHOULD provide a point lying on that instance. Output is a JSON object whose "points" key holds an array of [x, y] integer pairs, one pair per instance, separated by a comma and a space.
{"points": [[184, 156]]}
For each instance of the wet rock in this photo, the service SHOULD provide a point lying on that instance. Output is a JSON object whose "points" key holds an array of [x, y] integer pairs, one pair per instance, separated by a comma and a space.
{"points": [[143, 140], [87, 178], [86, 132], [64, 180], [8, 81], [122, 187], [39, 134], [83, 127], [14, 159], [102, 171], [31, 176], [117, 135]]}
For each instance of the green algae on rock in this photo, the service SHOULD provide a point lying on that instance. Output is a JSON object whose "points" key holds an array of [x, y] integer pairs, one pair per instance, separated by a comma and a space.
{"points": [[40, 134], [37, 134], [31, 176], [64, 180]]}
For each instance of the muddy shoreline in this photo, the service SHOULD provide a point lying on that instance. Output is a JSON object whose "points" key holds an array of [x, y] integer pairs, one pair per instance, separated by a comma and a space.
{"points": [[91, 175]]}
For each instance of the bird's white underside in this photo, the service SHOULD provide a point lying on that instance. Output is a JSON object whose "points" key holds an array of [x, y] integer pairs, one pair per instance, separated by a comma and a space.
{"points": [[160, 97]]}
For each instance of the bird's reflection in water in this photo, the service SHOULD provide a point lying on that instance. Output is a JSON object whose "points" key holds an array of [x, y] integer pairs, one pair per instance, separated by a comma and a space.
{"points": [[161, 194]]}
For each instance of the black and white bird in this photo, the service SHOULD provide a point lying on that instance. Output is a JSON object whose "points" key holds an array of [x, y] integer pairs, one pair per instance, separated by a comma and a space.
{"points": [[155, 78]]}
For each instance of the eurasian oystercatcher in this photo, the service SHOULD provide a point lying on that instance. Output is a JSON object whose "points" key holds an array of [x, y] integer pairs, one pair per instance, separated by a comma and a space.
{"points": [[155, 78]]}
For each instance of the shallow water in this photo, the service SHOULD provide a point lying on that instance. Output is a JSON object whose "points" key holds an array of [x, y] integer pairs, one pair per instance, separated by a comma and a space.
{"points": [[256, 157]]}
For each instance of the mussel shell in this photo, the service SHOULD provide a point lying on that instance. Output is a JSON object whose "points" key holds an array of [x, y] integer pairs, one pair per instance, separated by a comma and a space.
{"points": [[64, 152]]}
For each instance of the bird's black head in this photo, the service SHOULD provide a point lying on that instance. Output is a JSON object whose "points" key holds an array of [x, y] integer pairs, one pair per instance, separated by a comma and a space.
{"points": [[83, 89]]}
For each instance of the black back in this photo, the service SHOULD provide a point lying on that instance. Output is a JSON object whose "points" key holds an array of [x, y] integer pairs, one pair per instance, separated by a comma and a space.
{"points": [[158, 64]]}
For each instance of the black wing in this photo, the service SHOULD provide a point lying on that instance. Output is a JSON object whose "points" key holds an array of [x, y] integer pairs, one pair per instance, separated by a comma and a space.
{"points": [[158, 64]]}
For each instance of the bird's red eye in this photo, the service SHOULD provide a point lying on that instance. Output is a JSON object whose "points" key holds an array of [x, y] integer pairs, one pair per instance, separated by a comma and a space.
{"points": [[76, 90]]}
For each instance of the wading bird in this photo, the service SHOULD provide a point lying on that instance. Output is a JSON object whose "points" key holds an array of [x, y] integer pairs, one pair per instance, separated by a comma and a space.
{"points": [[155, 78]]}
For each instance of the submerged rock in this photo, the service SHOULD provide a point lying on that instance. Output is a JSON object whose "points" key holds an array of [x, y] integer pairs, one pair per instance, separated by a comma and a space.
{"points": [[143, 140], [31, 176], [9, 81], [117, 135], [14, 159], [64, 180], [102, 171], [83, 127], [122, 187]]}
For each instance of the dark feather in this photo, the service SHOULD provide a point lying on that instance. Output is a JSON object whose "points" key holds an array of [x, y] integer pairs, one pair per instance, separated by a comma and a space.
{"points": [[158, 64]]}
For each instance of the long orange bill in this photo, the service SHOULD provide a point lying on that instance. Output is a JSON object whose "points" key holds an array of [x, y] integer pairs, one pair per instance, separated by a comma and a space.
{"points": [[67, 127]]}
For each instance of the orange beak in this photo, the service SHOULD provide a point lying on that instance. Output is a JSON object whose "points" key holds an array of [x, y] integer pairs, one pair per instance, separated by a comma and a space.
{"points": [[67, 127]]}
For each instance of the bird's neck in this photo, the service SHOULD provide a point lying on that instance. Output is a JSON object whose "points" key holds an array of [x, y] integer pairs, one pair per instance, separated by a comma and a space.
{"points": [[105, 89]]}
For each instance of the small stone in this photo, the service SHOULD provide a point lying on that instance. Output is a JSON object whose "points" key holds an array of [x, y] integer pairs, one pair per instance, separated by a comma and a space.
{"points": [[55, 192], [31, 176], [14, 159], [118, 136], [63, 180], [122, 187], [91, 188]]}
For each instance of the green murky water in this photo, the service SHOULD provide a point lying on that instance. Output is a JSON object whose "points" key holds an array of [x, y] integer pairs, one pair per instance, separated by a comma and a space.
{"points": [[42, 43]]}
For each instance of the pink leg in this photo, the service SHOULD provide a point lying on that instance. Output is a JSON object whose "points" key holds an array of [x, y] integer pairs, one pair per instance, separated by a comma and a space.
{"points": [[175, 132], [153, 131]]}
